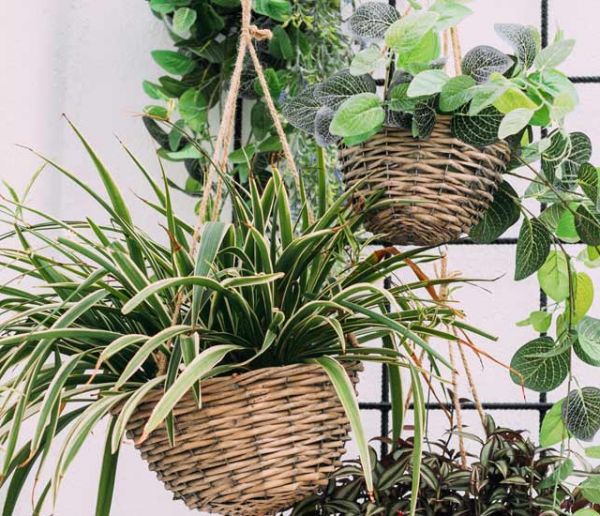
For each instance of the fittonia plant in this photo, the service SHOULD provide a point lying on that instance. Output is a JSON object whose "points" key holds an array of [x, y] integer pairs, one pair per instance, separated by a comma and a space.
{"points": [[496, 96]]}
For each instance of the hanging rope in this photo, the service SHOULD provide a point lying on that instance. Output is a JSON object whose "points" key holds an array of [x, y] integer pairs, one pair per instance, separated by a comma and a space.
{"points": [[248, 34]]}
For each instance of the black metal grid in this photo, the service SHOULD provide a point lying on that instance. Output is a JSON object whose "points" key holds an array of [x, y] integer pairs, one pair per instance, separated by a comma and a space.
{"points": [[542, 405]]}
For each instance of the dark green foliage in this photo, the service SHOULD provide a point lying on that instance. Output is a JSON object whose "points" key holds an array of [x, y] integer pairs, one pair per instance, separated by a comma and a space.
{"points": [[307, 45], [508, 476]]}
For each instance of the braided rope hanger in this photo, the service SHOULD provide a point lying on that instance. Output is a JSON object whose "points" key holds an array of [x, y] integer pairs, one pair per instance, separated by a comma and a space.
{"points": [[248, 34], [452, 35]]}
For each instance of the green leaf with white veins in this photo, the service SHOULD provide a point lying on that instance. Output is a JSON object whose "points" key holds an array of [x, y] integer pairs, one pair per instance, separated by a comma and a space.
{"points": [[406, 33], [588, 179], [524, 41], [587, 223], [514, 122], [588, 331], [183, 20], [537, 368], [482, 61], [554, 276], [555, 54], [533, 247], [581, 412], [479, 130], [341, 86], [358, 115], [371, 20], [428, 82], [367, 61], [501, 215]]}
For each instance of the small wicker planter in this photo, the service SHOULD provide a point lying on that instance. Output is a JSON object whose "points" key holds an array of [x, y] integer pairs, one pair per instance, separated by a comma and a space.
{"points": [[433, 190], [262, 440]]}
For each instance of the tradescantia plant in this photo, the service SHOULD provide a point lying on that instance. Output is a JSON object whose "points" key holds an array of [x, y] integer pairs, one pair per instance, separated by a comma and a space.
{"points": [[306, 46], [103, 325], [508, 474]]}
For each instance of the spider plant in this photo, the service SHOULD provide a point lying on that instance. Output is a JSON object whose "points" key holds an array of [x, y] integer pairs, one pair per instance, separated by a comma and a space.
{"points": [[99, 313]]}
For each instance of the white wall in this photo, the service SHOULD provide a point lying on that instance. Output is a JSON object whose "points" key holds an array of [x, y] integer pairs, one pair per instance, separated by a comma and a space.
{"points": [[87, 59]]}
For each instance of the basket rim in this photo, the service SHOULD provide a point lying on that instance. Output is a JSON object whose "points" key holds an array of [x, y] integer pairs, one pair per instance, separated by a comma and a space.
{"points": [[263, 372], [500, 145]]}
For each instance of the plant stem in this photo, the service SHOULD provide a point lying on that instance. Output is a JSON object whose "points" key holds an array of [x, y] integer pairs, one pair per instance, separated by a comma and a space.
{"points": [[322, 170]]}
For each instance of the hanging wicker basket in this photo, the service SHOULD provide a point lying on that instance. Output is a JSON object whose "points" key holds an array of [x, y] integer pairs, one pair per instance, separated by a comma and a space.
{"points": [[431, 190], [262, 440]]}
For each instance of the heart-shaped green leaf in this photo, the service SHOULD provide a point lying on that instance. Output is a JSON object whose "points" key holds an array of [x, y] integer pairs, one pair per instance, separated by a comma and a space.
{"points": [[581, 412], [477, 130], [537, 368], [554, 276], [533, 247]]}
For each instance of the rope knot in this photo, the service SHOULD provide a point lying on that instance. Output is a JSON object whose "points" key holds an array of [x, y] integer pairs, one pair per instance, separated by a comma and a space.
{"points": [[258, 34]]}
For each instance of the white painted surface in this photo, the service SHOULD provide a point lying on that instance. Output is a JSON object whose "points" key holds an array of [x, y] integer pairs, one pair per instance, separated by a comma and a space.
{"points": [[88, 58]]}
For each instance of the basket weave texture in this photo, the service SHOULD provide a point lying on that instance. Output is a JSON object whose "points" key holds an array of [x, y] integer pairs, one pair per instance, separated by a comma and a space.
{"points": [[262, 440], [430, 190]]}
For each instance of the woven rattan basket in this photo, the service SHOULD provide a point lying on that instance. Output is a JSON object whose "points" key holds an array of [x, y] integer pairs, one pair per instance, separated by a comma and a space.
{"points": [[431, 190], [262, 440]]}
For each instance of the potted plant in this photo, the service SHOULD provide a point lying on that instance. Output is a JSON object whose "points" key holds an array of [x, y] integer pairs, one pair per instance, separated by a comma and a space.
{"points": [[221, 359], [432, 147], [508, 474]]}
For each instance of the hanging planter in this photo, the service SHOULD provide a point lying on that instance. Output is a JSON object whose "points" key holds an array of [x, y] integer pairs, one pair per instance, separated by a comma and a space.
{"points": [[424, 151], [261, 441], [428, 191]]}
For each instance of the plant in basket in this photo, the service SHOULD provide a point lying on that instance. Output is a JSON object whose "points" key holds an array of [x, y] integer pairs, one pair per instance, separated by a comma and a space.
{"points": [[228, 358], [508, 475], [433, 147]]}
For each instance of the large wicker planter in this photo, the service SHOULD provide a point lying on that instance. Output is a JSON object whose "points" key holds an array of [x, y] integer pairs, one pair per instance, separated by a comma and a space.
{"points": [[430, 191], [262, 440]]}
